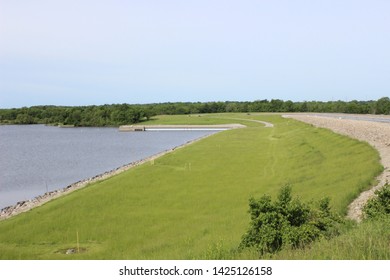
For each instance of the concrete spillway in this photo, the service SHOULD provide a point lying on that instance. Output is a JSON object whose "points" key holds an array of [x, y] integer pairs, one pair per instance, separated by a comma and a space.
{"points": [[126, 128]]}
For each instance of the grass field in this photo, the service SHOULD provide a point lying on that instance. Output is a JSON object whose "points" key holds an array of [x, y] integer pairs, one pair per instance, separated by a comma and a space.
{"points": [[193, 202]]}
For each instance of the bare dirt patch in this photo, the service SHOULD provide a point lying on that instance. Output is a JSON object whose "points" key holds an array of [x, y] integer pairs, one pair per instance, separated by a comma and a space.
{"points": [[375, 133]]}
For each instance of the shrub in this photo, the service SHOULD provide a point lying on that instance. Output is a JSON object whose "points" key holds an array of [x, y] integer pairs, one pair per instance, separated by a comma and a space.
{"points": [[287, 222], [378, 206]]}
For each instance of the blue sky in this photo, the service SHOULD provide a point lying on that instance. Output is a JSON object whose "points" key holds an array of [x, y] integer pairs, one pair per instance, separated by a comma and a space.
{"points": [[81, 52]]}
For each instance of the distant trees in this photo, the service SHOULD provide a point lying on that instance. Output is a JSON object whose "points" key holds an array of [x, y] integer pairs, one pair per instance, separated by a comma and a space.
{"points": [[105, 115], [24, 118], [382, 106], [118, 114]]}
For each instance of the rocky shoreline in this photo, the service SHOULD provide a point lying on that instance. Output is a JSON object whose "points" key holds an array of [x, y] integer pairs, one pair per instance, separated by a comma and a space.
{"points": [[26, 205]]}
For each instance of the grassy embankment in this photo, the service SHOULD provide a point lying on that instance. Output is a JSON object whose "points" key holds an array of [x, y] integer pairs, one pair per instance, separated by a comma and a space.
{"points": [[366, 241], [193, 202]]}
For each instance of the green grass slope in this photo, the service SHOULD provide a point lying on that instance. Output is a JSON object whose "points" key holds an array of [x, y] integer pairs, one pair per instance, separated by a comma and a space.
{"points": [[193, 200], [366, 241]]}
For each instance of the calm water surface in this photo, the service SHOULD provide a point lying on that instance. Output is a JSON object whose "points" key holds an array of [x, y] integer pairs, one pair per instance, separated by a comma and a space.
{"points": [[35, 159]]}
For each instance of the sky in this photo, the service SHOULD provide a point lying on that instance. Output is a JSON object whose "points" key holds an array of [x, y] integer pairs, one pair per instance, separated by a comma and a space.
{"points": [[92, 52]]}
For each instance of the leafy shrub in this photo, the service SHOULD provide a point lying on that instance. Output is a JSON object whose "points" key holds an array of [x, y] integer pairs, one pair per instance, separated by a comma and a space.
{"points": [[378, 206], [287, 222]]}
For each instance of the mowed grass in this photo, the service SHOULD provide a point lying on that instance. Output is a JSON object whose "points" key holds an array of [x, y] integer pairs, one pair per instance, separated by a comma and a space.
{"points": [[193, 202]]}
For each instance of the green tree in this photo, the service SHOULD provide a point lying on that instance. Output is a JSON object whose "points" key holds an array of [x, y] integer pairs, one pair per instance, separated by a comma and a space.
{"points": [[378, 206], [288, 106], [24, 118], [287, 222], [382, 106]]}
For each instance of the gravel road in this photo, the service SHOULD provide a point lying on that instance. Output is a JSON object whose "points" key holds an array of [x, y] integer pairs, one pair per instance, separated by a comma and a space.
{"points": [[377, 134]]}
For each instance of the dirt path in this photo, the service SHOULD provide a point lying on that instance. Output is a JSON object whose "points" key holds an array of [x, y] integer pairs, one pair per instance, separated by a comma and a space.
{"points": [[375, 133], [266, 124]]}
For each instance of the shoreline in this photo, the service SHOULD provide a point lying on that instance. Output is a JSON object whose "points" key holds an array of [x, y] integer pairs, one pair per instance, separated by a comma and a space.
{"points": [[26, 205]]}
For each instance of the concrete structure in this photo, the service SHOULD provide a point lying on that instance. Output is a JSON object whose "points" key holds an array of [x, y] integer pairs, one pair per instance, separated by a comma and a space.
{"points": [[126, 128]]}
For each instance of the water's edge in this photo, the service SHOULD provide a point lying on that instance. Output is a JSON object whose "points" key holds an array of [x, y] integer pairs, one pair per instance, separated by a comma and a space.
{"points": [[26, 205]]}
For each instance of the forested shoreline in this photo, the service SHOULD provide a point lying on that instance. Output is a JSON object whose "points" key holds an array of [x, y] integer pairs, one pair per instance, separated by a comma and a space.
{"points": [[119, 114]]}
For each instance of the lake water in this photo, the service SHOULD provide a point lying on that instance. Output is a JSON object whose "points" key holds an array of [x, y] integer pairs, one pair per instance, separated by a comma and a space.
{"points": [[35, 159]]}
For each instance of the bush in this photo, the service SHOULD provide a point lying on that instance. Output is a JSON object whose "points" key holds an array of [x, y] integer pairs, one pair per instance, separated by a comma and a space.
{"points": [[287, 222], [378, 206]]}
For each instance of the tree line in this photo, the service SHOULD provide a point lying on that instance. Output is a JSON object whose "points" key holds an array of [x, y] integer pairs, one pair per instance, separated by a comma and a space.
{"points": [[119, 114]]}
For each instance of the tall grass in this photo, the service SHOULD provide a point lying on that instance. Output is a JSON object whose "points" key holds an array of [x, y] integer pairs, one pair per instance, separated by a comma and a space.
{"points": [[193, 202], [369, 240]]}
